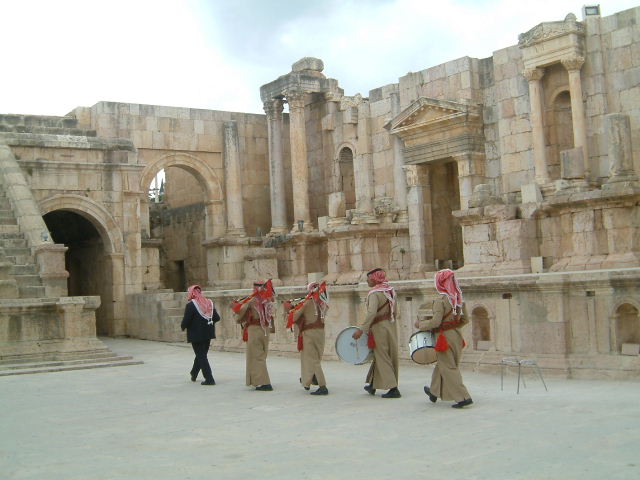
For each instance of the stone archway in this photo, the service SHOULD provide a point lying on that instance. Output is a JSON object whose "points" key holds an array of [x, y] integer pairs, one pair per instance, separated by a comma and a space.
{"points": [[205, 176], [174, 231], [95, 259]]}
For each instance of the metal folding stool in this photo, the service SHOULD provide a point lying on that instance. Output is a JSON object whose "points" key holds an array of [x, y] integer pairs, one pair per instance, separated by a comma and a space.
{"points": [[515, 362]]}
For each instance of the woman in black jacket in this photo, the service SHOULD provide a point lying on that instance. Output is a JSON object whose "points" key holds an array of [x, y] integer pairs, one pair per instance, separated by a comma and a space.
{"points": [[199, 318]]}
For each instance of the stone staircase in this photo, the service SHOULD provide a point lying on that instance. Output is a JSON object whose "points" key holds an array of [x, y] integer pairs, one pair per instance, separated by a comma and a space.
{"points": [[71, 361], [38, 333], [14, 250]]}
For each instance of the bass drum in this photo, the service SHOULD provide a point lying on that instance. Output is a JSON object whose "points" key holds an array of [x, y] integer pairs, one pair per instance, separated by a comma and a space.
{"points": [[421, 347], [355, 352]]}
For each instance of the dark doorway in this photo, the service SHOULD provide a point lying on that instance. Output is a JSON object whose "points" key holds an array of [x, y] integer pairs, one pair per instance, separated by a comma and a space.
{"points": [[85, 260]]}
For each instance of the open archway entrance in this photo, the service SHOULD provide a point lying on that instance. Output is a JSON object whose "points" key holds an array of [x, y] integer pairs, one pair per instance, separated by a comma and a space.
{"points": [[90, 269]]}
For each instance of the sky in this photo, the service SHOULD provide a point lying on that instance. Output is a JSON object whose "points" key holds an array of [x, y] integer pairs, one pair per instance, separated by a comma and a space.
{"points": [[215, 54]]}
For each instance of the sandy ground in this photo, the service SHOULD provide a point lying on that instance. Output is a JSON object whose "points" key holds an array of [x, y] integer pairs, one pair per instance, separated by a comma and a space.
{"points": [[150, 421]]}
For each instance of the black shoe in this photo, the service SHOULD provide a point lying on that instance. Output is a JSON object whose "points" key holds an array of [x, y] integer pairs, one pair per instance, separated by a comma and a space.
{"points": [[321, 391], [208, 382], [193, 377], [392, 393], [370, 389], [431, 396], [265, 388], [463, 403]]}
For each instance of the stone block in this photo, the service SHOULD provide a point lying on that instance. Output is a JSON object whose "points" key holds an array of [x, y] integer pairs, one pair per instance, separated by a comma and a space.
{"points": [[531, 193], [630, 349], [308, 63], [500, 212], [483, 345]]}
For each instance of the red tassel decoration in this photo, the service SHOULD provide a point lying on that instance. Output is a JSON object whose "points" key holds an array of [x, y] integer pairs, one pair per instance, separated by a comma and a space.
{"points": [[441, 343], [371, 342], [300, 345], [245, 334]]}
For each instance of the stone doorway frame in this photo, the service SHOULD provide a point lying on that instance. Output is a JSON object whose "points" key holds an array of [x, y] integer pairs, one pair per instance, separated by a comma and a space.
{"points": [[113, 241]]}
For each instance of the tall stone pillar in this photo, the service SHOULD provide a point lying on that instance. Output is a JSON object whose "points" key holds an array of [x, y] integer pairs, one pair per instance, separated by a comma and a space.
{"points": [[363, 167], [233, 181], [273, 109], [573, 66], [399, 177], [618, 130], [418, 220], [533, 76], [299, 165]]}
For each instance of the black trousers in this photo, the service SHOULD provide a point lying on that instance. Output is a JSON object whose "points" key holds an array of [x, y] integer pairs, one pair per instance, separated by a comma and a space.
{"points": [[201, 362]]}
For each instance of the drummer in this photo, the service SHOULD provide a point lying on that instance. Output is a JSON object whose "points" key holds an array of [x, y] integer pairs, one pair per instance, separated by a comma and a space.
{"points": [[379, 323], [449, 315]]}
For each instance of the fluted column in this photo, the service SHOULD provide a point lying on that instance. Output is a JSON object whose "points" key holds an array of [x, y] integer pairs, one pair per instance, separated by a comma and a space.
{"points": [[533, 76], [573, 66], [273, 109], [233, 180], [299, 165], [399, 177]]}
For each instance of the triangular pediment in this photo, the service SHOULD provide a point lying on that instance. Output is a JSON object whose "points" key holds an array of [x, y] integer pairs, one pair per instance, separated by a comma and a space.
{"points": [[425, 112]]}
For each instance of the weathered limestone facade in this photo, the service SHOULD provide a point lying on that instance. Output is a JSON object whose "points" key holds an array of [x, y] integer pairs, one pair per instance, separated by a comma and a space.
{"points": [[519, 170]]}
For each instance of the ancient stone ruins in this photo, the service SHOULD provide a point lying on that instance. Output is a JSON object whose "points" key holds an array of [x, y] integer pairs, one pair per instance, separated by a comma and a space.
{"points": [[519, 170]]}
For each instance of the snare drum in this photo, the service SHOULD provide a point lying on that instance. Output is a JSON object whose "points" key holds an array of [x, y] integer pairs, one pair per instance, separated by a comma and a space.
{"points": [[350, 350], [421, 346]]}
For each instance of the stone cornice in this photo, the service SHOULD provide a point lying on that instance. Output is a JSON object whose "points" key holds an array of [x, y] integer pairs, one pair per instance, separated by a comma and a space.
{"points": [[549, 30], [66, 141], [53, 165]]}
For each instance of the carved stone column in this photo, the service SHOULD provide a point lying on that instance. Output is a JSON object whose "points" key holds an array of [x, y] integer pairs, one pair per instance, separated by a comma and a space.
{"points": [[299, 165], [363, 168], [399, 177], [418, 220], [273, 109], [573, 66], [533, 76], [233, 181]]}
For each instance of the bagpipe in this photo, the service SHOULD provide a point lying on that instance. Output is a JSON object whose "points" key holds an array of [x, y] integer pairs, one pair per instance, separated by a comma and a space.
{"points": [[265, 292], [298, 303]]}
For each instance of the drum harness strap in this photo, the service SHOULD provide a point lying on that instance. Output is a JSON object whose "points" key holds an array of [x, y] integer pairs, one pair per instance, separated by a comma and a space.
{"points": [[441, 342], [302, 327], [371, 342]]}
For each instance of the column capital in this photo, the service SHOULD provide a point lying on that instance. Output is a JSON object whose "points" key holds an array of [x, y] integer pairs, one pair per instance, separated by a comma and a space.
{"points": [[296, 99], [533, 74], [411, 171], [273, 108], [572, 63]]}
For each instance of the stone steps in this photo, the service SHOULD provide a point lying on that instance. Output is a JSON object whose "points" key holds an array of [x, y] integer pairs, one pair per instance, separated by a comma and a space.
{"points": [[14, 242], [28, 280], [67, 365], [31, 291], [17, 251], [31, 269], [9, 228], [14, 245]]}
